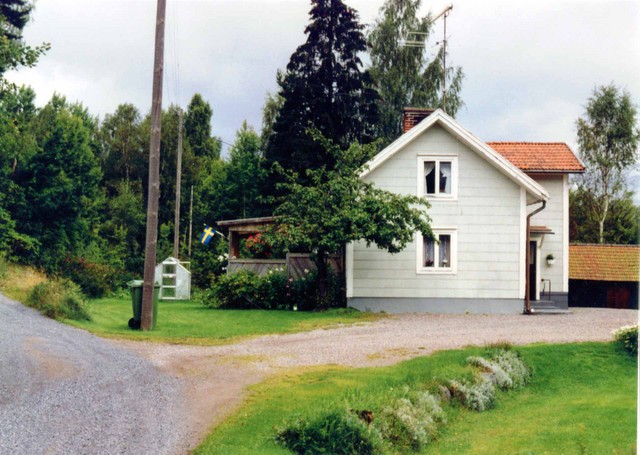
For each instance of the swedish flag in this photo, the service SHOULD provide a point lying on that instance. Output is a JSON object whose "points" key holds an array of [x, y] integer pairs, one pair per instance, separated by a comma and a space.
{"points": [[207, 235]]}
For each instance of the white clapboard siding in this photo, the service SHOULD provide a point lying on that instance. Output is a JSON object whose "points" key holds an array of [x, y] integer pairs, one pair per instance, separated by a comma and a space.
{"points": [[486, 215], [552, 217]]}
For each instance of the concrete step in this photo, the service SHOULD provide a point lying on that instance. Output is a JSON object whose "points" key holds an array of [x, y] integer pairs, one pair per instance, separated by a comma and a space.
{"points": [[549, 311], [548, 304]]}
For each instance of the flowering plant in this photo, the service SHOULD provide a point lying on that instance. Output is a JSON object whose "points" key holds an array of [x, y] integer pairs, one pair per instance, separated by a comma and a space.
{"points": [[257, 246]]}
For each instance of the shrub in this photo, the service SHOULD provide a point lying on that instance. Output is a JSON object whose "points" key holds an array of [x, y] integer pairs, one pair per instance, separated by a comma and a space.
{"points": [[411, 422], [245, 289], [336, 432], [511, 363], [478, 396], [627, 338], [94, 279], [59, 299], [493, 372]]}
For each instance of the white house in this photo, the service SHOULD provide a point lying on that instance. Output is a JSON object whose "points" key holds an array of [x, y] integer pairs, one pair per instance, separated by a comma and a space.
{"points": [[498, 210]]}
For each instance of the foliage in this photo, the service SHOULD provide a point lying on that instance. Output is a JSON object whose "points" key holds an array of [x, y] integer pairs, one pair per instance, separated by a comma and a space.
{"points": [[59, 299], [627, 338], [197, 129], [273, 291], [95, 280], [61, 198], [324, 88], [244, 177], [403, 75], [336, 432], [621, 227], [505, 370], [608, 138], [411, 422], [14, 53], [122, 147], [336, 207]]}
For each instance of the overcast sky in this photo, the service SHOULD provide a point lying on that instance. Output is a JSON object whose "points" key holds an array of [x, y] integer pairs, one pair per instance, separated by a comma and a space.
{"points": [[529, 65]]}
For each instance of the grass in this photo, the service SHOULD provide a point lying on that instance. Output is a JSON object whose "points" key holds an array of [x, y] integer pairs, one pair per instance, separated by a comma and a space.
{"points": [[16, 281], [582, 399], [185, 322]]}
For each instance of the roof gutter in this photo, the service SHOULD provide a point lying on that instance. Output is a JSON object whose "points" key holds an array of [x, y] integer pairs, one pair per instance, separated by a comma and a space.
{"points": [[527, 292]]}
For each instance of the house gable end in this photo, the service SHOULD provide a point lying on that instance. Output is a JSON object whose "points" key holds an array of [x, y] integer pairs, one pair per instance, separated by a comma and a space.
{"points": [[465, 137]]}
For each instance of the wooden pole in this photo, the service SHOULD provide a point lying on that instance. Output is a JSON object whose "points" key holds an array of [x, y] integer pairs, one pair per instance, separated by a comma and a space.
{"points": [[176, 224], [190, 221], [154, 172]]}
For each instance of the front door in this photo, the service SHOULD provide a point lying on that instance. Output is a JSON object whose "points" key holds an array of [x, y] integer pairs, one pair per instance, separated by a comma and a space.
{"points": [[533, 267]]}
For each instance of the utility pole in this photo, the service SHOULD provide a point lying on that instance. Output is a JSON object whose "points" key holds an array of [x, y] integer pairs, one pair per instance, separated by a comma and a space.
{"points": [[176, 224], [151, 242], [190, 221]]}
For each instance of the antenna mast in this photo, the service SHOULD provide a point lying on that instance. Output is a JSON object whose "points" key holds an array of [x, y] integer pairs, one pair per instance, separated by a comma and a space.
{"points": [[419, 41]]}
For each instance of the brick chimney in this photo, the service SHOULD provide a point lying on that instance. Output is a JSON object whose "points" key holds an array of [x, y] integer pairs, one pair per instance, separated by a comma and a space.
{"points": [[414, 115]]}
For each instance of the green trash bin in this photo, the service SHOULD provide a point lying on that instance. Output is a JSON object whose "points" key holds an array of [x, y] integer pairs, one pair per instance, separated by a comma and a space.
{"points": [[136, 303]]}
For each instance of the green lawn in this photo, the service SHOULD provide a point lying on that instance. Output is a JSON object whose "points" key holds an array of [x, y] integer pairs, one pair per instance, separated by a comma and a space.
{"points": [[582, 399], [191, 323]]}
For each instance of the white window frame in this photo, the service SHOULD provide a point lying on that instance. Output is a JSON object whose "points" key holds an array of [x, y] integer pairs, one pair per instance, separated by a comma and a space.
{"points": [[422, 184], [436, 269]]}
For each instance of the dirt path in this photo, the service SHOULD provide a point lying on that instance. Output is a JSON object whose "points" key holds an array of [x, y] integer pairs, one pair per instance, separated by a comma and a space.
{"points": [[216, 378]]}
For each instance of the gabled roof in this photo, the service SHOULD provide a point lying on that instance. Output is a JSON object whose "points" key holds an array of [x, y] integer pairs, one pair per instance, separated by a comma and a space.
{"points": [[481, 148], [539, 156], [604, 262]]}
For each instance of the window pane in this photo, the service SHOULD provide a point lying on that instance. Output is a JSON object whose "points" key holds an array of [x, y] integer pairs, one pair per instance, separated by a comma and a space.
{"points": [[430, 177], [429, 253], [445, 251], [445, 177]]}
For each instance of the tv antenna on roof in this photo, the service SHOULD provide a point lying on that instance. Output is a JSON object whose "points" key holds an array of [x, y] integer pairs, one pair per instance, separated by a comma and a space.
{"points": [[419, 41]]}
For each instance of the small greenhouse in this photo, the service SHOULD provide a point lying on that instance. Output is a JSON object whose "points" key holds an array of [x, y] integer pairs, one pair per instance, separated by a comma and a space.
{"points": [[174, 279]]}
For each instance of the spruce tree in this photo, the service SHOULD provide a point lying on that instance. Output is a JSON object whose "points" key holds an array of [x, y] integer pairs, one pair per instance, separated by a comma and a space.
{"points": [[324, 87]]}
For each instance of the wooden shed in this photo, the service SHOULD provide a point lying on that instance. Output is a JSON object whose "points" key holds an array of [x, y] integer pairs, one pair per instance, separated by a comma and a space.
{"points": [[604, 275]]}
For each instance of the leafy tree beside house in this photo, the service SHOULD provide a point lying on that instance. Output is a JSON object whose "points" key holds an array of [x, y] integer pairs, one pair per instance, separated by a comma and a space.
{"points": [[335, 206], [608, 139], [324, 88]]}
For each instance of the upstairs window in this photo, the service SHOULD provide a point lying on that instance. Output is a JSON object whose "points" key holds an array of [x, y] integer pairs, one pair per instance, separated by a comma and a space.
{"points": [[437, 177]]}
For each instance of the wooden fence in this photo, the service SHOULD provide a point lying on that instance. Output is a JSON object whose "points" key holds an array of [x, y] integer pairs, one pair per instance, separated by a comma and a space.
{"points": [[296, 264]]}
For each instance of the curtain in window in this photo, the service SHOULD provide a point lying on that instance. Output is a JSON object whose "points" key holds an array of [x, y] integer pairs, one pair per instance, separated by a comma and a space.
{"points": [[430, 177], [445, 251], [445, 177], [429, 253]]}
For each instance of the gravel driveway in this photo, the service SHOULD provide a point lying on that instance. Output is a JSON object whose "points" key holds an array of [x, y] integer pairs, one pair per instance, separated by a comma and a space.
{"points": [[65, 391]]}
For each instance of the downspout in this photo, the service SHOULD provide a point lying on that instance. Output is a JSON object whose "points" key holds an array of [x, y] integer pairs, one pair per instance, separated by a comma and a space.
{"points": [[527, 292]]}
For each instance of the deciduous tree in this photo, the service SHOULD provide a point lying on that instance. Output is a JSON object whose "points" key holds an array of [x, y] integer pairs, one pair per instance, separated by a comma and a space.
{"points": [[336, 207], [608, 139]]}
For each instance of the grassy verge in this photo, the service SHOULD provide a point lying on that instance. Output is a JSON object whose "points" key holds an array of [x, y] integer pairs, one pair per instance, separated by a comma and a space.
{"points": [[582, 399], [16, 281], [191, 323]]}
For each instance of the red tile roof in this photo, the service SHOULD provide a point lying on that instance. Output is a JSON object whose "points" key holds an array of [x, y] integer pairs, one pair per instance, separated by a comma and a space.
{"points": [[604, 262], [539, 156]]}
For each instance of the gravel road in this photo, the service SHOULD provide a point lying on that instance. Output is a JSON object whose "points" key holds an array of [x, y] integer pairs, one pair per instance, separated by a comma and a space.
{"points": [[65, 391]]}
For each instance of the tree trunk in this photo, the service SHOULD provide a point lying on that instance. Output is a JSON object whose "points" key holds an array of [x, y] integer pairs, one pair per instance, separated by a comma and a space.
{"points": [[602, 219], [321, 262]]}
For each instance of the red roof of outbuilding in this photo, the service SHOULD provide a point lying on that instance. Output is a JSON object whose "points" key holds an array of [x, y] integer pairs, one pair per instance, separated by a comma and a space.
{"points": [[604, 262], [533, 157]]}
